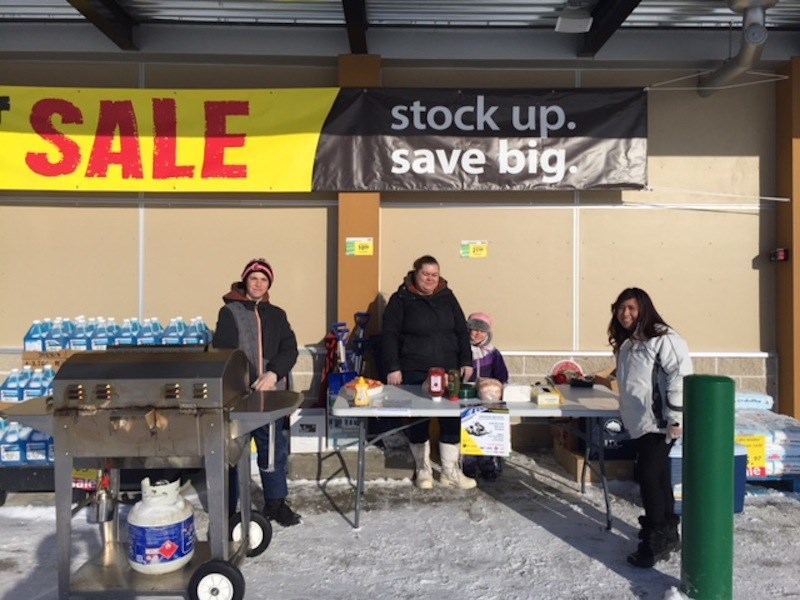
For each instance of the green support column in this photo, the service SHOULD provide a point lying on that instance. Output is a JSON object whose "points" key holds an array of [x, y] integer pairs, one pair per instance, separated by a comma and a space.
{"points": [[708, 487]]}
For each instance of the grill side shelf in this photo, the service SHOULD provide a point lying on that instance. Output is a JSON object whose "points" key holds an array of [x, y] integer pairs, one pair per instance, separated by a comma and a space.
{"points": [[36, 413], [261, 408]]}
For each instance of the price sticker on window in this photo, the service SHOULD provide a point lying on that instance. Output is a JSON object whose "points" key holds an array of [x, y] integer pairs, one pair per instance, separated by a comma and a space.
{"points": [[361, 246], [756, 454], [474, 248]]}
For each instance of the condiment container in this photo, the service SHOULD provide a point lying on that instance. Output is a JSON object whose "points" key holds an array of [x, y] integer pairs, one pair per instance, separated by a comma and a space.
{"points": [[437, 381], [362, 393]]}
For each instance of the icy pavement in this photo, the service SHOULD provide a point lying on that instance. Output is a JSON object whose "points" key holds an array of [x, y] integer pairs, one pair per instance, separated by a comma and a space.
{"points": [[531, 534]]}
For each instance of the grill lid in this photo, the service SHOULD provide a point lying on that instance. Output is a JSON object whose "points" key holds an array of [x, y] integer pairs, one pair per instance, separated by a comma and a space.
{"points": [[136, 377]]}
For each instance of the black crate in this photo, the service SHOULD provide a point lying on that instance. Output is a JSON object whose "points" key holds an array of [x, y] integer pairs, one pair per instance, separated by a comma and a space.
{"points": [[618, 443]]}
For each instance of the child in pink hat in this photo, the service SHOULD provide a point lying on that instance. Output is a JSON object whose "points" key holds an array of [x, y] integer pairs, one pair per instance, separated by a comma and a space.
{"points": [[487, 363]]}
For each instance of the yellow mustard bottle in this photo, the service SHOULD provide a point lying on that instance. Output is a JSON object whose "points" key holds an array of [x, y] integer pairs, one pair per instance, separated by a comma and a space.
{"points": [[362, 393]]}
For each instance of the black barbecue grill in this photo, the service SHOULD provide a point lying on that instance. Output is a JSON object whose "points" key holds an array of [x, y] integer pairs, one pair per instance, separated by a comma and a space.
{"points": [[156, 409]]}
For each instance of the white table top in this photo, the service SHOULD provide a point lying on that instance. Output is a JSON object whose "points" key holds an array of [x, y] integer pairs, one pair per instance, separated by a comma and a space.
{"points": [[411, 401]]}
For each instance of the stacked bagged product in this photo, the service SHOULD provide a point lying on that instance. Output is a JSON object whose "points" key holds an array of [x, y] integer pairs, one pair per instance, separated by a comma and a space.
{"points": [[773, 440]]}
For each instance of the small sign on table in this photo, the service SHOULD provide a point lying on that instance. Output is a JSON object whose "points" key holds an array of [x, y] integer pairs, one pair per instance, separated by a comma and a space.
{"points": [[486, 430]]}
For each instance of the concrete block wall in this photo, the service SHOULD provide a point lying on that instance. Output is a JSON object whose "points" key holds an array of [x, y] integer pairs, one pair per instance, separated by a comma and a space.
{"points": [[752, 373]]}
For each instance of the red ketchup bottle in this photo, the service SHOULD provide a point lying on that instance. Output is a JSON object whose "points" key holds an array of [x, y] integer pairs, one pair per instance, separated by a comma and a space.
{"points": [[437, 382]]}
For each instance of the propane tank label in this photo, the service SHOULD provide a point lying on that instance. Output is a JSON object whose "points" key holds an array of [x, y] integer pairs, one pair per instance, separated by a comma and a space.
{"points": [[159, 545]]}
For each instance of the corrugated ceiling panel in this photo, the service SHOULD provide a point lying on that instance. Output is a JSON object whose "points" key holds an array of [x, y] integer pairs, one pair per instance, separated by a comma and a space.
{"points": [[689, 14]]}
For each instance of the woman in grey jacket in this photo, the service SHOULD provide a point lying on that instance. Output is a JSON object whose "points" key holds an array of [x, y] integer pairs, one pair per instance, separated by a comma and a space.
{"points": [[652, 360]]}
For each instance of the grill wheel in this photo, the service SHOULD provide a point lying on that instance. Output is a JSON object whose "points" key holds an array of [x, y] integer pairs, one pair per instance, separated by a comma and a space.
{"points": [[216, 580]]}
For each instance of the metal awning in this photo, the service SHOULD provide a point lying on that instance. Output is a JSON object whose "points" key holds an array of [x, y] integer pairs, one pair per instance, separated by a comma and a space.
{"points": [[117, 19]]}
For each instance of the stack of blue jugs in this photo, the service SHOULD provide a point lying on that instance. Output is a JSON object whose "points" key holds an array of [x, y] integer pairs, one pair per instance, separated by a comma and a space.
{"points": [[127, 335], [12, 444], [81, 337], [28, 383], [36, 387], [48, 377], [102, 337], [34, 339], [101, 333], [36, 450], [173, 334], [11, 389], [57, 338], [197, 333], [150, 334]]}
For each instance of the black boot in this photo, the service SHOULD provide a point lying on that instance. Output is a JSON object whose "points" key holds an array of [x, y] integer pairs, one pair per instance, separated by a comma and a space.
{"points": [[672, 535], [280, 512], [644, 523], [652, 548]]}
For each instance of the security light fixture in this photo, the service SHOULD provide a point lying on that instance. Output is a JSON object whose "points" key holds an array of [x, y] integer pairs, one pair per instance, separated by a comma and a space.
{"points": [[574, 18]]}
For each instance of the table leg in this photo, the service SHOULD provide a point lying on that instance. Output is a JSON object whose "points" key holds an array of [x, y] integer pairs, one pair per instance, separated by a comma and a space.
{"points": [[362, 461], [602, 459], [587, 452]]}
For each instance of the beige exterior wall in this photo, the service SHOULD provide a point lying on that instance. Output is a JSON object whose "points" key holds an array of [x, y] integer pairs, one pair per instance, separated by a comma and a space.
{"points": [[697, 240]]}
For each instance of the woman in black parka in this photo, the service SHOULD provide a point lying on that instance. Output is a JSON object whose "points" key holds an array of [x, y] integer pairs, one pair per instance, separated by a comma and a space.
{"points": [[424, 327]]}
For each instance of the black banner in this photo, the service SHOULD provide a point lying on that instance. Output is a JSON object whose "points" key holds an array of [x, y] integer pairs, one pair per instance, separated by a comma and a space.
{"points": [[440, 140]]}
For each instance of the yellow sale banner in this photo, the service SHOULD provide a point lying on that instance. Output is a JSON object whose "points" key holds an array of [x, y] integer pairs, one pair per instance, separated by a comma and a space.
{"points": [[111, 140]]}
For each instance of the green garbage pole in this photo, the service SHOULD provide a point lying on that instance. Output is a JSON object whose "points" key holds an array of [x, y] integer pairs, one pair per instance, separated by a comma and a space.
{"points": [[707, 505]]}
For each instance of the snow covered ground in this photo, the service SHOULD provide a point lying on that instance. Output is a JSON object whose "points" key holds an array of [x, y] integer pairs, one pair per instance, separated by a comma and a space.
{"points": [[531, 534]]}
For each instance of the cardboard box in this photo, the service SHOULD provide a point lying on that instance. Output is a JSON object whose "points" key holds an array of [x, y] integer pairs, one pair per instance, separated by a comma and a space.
{"points": [[566, 438], [546, 395], [38, 360], [527, 436], [572, 462], [608, 379], [308, 431]]}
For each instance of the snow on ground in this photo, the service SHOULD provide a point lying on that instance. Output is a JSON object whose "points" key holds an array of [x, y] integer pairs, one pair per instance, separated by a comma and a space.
{"points": [[531, 534]]}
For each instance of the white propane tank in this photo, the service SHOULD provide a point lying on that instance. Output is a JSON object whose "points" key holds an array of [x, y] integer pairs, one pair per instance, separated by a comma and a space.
{"points": [[161, 534]]}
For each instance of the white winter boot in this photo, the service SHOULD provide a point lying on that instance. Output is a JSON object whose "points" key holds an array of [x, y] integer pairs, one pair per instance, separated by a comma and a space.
{"points": [[424, 472], [452, 475]]}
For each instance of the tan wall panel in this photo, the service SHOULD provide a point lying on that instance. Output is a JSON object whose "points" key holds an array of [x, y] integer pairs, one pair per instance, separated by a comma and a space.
{"points": [[65, 262], [525, 282], [700, 267], [722, 144], [193, 255]]}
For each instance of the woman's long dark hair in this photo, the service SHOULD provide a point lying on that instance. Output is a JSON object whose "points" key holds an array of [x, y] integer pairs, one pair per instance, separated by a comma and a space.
{"points": [[649, 324]]}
